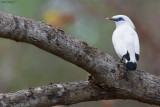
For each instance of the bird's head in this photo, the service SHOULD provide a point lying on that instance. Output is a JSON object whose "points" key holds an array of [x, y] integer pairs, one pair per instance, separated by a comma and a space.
{"points": [[121, 19]]}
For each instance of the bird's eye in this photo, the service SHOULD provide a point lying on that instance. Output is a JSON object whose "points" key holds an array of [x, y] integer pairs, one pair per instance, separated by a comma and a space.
{"points": [[120, 18]]}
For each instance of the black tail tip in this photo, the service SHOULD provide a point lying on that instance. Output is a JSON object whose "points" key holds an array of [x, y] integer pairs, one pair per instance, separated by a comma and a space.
{"points": [[131, 66]]}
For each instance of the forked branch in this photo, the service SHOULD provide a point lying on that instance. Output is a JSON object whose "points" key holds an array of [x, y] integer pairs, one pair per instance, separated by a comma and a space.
{"points": [[109, 74]]}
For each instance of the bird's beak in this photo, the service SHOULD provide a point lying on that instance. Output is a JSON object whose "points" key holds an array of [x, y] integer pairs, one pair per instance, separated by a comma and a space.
{"points": [[108, 18]]}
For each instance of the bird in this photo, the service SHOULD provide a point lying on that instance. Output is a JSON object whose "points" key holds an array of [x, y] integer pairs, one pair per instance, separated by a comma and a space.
{"points": [[125, 41]]}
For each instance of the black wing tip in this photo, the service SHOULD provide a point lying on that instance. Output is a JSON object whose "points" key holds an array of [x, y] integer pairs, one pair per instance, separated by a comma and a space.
{"points": [[127, 56], [131, 66], [137, 56]]}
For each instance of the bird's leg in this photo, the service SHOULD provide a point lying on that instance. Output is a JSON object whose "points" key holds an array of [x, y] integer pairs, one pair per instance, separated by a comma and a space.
{"points": [[121, 60]]}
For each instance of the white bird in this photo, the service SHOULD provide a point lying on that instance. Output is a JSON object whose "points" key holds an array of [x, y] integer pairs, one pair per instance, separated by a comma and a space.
{"points": [[125, 41]]}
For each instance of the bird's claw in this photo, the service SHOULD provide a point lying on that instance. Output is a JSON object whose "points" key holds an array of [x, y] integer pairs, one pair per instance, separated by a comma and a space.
{"points": [[121, 60]]}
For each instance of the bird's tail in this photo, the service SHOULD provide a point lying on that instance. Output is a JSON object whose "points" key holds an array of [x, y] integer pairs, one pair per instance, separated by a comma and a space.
{"points": [[131, 65]]}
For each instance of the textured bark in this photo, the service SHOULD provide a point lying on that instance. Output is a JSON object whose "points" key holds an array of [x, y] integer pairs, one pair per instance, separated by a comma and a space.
{"points": [[54, 94], [108, 72]]}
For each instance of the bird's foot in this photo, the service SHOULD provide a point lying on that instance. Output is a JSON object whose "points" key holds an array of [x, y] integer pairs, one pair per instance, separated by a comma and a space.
{"points": [[121, 60]]}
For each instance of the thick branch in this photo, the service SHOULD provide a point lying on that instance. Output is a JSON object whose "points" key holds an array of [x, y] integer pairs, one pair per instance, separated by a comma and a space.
{"points": [[54, 94], [109, 73]]}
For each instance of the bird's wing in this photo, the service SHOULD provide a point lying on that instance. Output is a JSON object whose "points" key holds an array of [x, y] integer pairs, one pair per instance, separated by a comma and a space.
{"points": [[126, 43], [119, 44], [136, 46]]}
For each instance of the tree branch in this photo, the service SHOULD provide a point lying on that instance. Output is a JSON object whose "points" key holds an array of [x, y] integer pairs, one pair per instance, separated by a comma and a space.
{"points": [[108, 72], [54, 94]]}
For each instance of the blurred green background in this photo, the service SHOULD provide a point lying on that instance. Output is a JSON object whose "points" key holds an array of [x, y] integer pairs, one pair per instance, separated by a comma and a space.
{"points": [[23, 65]]}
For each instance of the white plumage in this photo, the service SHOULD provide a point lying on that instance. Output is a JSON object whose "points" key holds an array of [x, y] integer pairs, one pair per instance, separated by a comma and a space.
{"points": [[125, 41]]}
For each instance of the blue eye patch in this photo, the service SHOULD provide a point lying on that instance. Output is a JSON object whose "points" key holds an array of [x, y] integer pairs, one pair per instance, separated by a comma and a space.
{"points": [[119, 19]]}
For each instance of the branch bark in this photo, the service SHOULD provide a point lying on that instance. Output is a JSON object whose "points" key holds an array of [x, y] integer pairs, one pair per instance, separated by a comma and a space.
{"points": [[54, 94], [109, 74]]}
